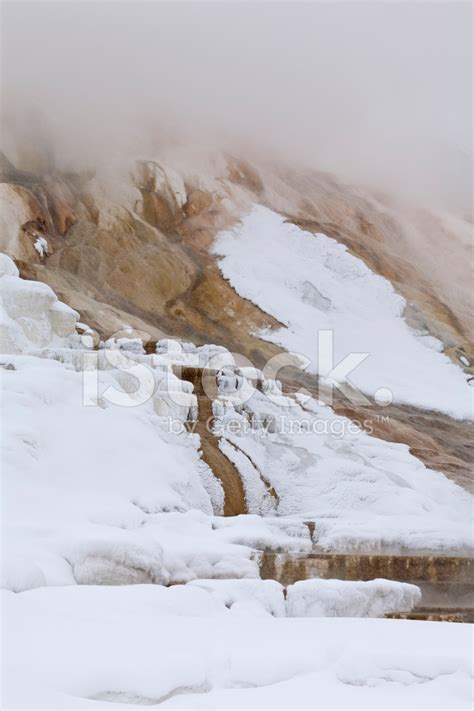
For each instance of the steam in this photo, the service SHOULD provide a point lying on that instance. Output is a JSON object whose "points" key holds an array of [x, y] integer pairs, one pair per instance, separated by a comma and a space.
{"points": [[374, 91]]}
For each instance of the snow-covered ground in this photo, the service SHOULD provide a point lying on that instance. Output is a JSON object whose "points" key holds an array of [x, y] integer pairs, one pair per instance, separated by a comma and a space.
{"points": [[181, 647], [98, 494], [97, 491], [87, 485], [364, 493], [311, 283]]}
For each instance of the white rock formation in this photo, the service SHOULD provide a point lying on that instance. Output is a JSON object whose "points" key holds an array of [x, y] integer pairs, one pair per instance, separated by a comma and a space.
{"points": [[31, 315], [348, 598]]}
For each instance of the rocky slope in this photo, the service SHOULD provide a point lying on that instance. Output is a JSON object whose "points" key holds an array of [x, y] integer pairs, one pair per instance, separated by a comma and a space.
{"points": [[215, 503], [136, 252]]}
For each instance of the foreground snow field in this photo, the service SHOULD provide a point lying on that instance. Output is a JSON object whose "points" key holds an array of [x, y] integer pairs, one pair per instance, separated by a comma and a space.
{"points": [[180, 647]]}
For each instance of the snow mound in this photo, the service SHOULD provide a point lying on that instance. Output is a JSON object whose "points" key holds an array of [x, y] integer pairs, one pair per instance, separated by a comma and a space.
{"points": [[247, 594], [347, 598], [31, 315], [313, 598]]}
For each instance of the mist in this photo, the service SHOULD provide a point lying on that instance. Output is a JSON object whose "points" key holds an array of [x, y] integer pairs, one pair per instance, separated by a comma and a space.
{"points": [[376, 92]]}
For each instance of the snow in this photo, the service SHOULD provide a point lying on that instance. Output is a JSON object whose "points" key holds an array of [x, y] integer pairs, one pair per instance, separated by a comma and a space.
{"points": [[257, 497], [105, 503], [101, 647], [187, 354], [41, 246], [364, 494], [347, 598], [109, 494], [31, 315], [78, 476], [314, 598], [112, 494], [234, 594], [8, 266], [310, 283]]}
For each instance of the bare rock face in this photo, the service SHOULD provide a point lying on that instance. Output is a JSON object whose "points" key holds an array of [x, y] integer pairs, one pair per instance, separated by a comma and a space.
{"points": [[197, 201], [150, 256], [36, 212], [243, 173], [163, 194], [130, 258], [60, 200], [23, 221], [146, 267]]}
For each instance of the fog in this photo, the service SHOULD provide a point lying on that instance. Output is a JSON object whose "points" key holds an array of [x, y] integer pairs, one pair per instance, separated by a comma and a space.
{"points": [[375, 91]]}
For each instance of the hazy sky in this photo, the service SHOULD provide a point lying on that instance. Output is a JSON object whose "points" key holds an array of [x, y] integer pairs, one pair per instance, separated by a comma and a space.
{"points": [[378, 90]]}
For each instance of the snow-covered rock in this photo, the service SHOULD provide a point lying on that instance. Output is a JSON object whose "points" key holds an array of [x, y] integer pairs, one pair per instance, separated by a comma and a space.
{"points": [[266, 594], [315, 598], [348, 598], [31, 315], [174, 400], [99, 485], [8, 266], [364, 494]]}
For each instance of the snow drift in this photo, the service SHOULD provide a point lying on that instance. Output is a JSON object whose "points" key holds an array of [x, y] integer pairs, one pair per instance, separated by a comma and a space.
{"points": [[32, 317], [325, 288], [347, 598]]}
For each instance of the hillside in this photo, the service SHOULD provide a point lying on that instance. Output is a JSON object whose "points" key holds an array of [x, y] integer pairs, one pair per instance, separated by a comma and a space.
{"points": [[174, 426]]}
